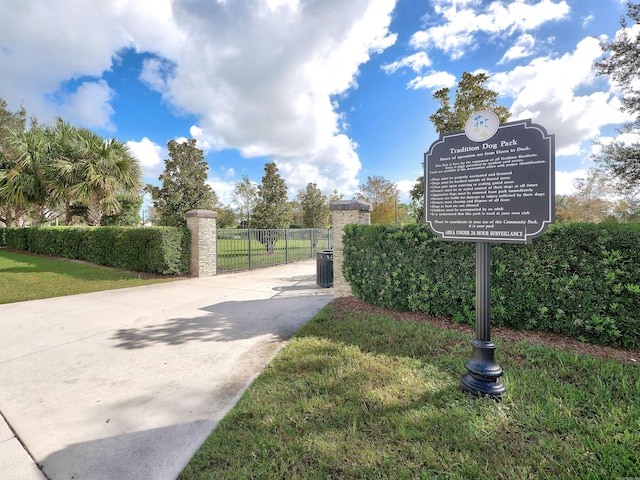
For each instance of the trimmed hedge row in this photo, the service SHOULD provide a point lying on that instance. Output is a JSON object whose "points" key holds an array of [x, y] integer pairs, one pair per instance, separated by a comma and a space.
{"points": [[162, 250], [582, 280]]}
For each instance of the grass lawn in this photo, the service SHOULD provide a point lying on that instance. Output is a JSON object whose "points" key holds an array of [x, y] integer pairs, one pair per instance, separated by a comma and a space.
{"points": [[366, 396], [234, 254], [30, 277]]}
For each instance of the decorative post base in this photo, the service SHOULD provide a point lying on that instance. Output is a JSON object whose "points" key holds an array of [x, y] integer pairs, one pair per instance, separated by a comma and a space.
{"points": [[482, 379]]}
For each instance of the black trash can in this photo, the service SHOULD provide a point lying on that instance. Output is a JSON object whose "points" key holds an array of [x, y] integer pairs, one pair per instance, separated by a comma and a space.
{"points": [[324, 268]]}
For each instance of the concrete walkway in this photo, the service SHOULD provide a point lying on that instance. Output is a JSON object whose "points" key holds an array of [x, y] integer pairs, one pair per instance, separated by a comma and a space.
{"points": [[127, 384]]}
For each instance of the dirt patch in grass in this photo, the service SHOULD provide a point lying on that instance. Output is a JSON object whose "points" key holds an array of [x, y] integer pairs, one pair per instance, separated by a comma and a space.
{"points": [[345, 306]]}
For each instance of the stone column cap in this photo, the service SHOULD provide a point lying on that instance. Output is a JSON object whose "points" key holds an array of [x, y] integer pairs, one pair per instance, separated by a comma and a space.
{"points": [[202, 214], [353, 204]]}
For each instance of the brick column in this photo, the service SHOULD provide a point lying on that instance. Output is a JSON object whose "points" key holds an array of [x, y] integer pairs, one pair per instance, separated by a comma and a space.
{"points": [[202, 224], [345, 212]]}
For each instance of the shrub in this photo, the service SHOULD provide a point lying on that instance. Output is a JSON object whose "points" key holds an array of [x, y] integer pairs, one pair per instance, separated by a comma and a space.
{"points": [[577, 279], [163, 250]]}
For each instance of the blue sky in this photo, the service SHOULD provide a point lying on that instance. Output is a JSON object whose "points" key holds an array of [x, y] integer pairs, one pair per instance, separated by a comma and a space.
{"points": [[333, 91]]}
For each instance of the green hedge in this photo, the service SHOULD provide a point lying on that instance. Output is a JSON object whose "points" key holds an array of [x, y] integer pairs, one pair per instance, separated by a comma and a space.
{"points": [[582, 280], [163, 250]]}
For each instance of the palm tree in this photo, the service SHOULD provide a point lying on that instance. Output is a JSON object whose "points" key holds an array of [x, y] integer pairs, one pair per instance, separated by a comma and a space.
{"points": [[9, 213], [62, 171], [22, 181], [9, 121], [105, 169]]}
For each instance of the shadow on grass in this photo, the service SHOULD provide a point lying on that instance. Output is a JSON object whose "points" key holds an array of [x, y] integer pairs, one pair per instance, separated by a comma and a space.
{"points": [[369, 397], [324, 408]]}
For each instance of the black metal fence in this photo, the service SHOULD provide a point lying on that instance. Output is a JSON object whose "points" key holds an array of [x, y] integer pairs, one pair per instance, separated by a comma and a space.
{"points": [[252, 248]]}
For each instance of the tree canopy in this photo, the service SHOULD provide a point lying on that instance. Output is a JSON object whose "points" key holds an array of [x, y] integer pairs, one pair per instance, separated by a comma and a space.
{"points": [[622, 161], [622, 64], [383, 196], [106, 171], [183, 186], [245, 197], [272, 209], [471, 96], [50, 171], [315, 207], [10, 123], [596, 200], [23, 180]]}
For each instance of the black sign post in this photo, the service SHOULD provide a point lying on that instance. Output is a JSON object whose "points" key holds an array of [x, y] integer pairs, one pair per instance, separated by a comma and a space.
{"points": [[491, 183]]}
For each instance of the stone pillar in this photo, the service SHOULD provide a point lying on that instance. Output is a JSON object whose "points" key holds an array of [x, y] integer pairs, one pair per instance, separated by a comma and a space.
{"points": [[345, 212], [202, 224]]}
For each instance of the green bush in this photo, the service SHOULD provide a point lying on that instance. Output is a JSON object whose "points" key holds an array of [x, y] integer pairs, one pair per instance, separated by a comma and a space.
{"points": [[579, 279], [16, 238], [163, 250]]}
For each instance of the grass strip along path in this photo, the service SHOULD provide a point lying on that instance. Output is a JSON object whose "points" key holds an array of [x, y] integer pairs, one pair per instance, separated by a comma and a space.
{"points": [[31, 277], [359, 395]]}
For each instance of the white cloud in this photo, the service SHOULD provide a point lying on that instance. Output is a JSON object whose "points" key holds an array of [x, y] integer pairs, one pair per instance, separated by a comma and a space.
{"points": [[462, 22], [89, 106], [404, 187], [433, 80], [334, 167], [47, 43], [587, 20], [154, 74], [150, 155], [380, 44], [291, 4], [223, 189], [262, 76], [417, 62], [565, 181], [262, 79], [626, 138], [521, 49], [545, 90], [206, 142]]}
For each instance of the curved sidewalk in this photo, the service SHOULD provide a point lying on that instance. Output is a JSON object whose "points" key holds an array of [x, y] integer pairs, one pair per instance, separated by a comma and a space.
{"points": [[128, 383]]}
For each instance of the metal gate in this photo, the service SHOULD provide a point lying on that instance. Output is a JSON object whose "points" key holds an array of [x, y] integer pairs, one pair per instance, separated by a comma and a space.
{"points": [[242, 249]]}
